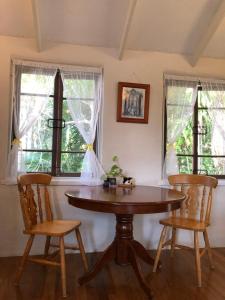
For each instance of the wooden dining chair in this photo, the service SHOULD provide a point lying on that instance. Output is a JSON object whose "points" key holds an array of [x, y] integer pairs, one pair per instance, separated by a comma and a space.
{"points": [[193, 215], [38, 220]]}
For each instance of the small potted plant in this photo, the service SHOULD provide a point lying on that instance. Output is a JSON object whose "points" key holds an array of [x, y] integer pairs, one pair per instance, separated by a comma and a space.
{"points": [[114, 174]]}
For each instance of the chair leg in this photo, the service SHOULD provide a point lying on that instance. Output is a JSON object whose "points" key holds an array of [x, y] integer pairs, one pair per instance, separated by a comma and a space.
{"points": [[47, 245], [207, 245], [162, 238], [24, 259], [81, 247], [197, 258], [63, 266], [173, 241]]}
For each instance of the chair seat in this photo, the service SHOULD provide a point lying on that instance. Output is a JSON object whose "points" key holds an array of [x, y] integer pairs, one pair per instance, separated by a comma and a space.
{"points": [[54, 228], [183, 223]]}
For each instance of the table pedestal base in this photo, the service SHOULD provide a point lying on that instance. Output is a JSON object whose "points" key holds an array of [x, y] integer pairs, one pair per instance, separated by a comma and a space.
{"points": [[124, 250]]}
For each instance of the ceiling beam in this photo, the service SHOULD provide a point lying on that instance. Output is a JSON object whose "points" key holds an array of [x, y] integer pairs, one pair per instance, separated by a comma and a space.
{"points": [[37, 26], [126, 27], [210, 29]]}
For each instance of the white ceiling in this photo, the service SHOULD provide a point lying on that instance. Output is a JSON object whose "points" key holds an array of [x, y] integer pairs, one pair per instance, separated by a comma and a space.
{"points": [[169, 25], [83, 22], [177, 26]]}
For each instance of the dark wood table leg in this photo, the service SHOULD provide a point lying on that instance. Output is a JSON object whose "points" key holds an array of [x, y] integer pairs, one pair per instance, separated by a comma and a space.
{"points": [[142, 253], [128, 249], [137, 268], [124, 250], [108, 255], [124, 234]]}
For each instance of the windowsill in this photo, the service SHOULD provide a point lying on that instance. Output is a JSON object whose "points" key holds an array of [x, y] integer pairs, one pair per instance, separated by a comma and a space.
{"points": [[165, 183], [66, 181], [63, 181]]}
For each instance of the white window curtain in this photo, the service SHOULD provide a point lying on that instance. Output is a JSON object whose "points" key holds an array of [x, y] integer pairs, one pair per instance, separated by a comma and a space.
{"points": [[83, 91], [213, 97], [180, 101], [23, 120]]}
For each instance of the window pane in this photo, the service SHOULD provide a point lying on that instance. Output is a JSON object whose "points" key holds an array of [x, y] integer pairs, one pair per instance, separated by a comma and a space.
{"points": [[213, 165], [71, 162], [205, 133], [37, 84], [36, 161], [211, 120], [80, 93], [79, 89], [212, 98], [36, 107], [39, 136], [179, 109], [71, 138], [185, 164], [184, 144]]}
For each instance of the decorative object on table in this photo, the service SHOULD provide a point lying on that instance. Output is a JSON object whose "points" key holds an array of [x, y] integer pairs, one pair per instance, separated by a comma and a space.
{"points": [[114, 174], [133, 102], [106, 183], [112, 181], [128, 182], [109, 182]]}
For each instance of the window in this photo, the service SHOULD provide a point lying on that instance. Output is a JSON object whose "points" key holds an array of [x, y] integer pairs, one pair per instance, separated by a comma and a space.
{"points": [[54, 111], [195, 126]]}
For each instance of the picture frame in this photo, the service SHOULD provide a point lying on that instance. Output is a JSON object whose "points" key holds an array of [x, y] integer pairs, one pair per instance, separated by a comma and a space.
{"points": [[133, 102]]}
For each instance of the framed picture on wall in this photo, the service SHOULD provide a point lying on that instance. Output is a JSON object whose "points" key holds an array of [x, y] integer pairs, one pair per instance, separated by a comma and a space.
{"points": [[133, 102]]}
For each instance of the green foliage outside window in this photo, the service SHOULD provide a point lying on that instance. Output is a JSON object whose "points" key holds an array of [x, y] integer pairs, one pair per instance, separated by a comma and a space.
{"points": [[184, 144], [40, 137]]}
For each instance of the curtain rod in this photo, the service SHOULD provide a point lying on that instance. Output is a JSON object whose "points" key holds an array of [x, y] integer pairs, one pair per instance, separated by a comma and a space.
{"points": [[193, 78], [64, 67]]}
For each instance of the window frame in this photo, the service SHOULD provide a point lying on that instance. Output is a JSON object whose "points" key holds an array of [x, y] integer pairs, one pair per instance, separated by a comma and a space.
{"points": [[194, 155], [56, 150]]}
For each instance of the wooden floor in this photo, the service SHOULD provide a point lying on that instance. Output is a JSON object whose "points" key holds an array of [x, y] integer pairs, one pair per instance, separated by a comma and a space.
{"points": [[175, 281]]}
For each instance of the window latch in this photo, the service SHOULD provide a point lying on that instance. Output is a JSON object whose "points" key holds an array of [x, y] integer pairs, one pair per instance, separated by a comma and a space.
{"points": [[56, 123], [200, 130]]}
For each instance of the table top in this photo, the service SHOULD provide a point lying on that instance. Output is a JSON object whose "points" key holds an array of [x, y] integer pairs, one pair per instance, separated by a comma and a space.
{"points": [[138, 200]]}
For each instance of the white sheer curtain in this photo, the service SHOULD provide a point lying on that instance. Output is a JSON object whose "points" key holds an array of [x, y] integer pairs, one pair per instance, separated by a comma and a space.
{"points": [[83, 91], [24, 118], [180, 101], [213, 97]]}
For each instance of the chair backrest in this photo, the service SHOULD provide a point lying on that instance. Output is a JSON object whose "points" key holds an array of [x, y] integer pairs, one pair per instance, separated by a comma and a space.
{"points": [[198, 189], [31, 198]]}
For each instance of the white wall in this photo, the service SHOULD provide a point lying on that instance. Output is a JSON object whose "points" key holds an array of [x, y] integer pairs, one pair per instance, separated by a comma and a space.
{"points": [[139, 146]]}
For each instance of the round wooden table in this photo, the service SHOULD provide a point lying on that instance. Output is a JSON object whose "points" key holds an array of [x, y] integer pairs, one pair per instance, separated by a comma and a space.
{"points": [[124, 203]]}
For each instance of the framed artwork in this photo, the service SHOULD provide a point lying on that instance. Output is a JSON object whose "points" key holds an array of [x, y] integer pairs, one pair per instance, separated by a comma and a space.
{"points": [[133, 102]]}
